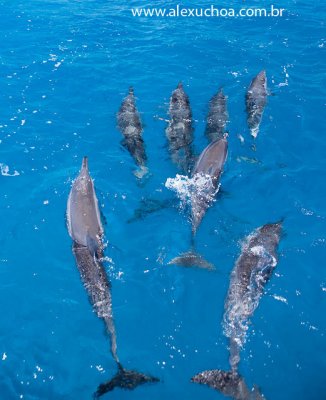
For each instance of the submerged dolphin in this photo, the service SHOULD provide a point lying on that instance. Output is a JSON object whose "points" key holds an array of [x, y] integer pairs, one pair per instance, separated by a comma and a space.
{"points": [[256, 99], [86, 231], [208, 169], [130, 126], [180, 130], [217, 116], [252, 271]]}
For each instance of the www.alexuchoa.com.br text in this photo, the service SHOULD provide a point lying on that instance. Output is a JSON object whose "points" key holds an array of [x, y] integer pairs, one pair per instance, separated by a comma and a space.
{"points": [[212, 11]]}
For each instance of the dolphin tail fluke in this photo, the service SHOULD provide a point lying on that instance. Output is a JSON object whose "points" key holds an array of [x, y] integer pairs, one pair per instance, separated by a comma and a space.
{"points": [[230, 383], [124, 379], [192, 259]]}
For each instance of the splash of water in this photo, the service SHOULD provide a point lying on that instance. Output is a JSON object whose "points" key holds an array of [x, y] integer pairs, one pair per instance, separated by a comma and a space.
{"points": [[198, 186], [5, 170]]}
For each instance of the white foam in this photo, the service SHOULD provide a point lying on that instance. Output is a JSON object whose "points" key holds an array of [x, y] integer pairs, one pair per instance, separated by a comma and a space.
{"points": [[5, 170], [280, 298], [186, 188], [254, 131], [261, 252], [286, 76], [258, 250]]}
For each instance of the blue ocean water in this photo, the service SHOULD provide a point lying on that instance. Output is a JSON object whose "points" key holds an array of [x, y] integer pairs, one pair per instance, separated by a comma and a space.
{"points": [[65, 67]]}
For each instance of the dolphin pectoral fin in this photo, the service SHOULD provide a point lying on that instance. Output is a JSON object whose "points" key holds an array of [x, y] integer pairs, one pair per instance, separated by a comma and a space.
{"points": [[230, 383], [124, 379], [192, 259]]}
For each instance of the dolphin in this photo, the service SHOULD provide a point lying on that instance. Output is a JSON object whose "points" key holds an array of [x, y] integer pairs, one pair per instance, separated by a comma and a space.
{"points": [[130, 126], [210, 163], [85, 229], [251, 272], [208, 168], [179, 131], [217, 116], [256, 99]]}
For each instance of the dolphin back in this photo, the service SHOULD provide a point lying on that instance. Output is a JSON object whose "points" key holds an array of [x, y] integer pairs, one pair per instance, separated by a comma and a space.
{"points": [[83, 215], [212, 159], [209, 168], [130, 125], [258, 86], [179, 131], [217, 116], [128, 117], [256, 99], [179, 108]]}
